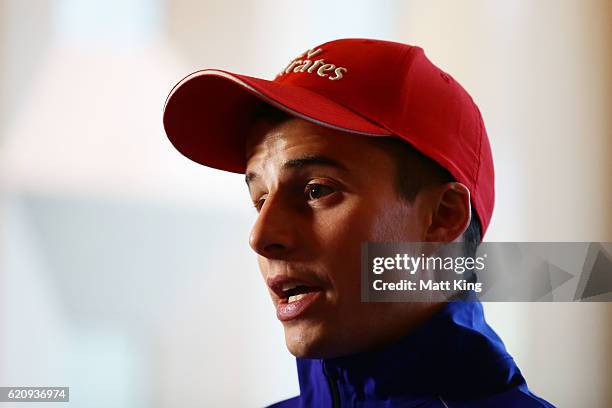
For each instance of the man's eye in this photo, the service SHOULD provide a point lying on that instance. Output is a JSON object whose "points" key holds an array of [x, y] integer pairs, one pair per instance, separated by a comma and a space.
{"points": [[315, 191]]}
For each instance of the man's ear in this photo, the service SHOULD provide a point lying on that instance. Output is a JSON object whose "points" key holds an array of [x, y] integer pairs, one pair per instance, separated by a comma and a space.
{"points": [[451, 212]]}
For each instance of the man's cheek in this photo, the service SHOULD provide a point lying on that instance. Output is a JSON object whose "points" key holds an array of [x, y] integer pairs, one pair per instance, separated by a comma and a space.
{"points": [[345, 267], [350, 225]]}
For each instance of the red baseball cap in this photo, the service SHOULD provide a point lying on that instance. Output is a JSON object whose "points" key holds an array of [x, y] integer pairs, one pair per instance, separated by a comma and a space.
{"points": [[367, 87]]}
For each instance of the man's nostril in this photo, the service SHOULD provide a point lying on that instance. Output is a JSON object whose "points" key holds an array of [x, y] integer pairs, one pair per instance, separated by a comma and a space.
{"points": [[272, 248]]}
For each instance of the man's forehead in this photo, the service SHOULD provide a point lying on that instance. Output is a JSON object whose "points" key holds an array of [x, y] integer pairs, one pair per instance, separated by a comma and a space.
{"points": [[302, 162], [295, 138], [296, 145], [265, 142]]}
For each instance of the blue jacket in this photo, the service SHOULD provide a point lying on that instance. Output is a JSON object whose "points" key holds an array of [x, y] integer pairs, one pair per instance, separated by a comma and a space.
{"points": [[455, 360]]}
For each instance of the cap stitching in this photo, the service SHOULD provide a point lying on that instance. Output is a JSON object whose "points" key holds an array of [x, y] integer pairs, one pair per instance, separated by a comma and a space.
{"points": [[477, 175], [479, 160], [407, 59]]}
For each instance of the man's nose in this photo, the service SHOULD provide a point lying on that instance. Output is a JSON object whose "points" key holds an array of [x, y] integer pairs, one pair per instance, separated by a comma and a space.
{"points": [[274, 234]]}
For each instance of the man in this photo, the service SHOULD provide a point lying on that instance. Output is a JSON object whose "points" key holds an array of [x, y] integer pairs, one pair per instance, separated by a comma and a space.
{"points": [[358, 141]]}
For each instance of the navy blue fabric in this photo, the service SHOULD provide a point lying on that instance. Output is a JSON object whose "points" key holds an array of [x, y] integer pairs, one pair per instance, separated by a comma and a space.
{"points": [[455, 360]]}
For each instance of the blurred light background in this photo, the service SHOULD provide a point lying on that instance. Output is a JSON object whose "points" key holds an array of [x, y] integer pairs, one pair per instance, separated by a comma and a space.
{"points": [[125, 271]]}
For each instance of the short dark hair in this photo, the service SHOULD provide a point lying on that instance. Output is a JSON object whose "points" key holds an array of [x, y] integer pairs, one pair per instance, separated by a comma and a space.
{"points": [[422, 170], [416, 171]]}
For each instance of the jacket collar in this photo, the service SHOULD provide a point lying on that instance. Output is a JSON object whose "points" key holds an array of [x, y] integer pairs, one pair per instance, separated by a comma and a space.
{"points": [[455, 354]]}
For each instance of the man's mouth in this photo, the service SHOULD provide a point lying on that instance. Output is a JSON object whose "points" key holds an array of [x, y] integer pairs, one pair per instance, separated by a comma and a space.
{"points": [[292, 293], [294, 296]]}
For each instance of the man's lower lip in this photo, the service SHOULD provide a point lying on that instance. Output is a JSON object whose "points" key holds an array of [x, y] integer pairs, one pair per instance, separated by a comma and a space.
{"points": [[288, 311]]}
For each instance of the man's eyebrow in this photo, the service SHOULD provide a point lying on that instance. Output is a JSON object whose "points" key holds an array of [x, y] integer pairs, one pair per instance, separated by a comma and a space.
{"points": [[301, 162], [313, 160]]}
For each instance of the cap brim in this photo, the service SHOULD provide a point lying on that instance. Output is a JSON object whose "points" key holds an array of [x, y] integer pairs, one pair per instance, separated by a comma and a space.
{"points": [[208, 114]]}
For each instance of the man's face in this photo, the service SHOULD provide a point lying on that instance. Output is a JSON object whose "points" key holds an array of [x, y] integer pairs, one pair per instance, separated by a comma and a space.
{"points": [[320, 193]]}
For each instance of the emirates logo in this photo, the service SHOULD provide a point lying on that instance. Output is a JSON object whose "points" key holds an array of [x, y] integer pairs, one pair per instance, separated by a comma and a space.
{"points": [[306, 64]]}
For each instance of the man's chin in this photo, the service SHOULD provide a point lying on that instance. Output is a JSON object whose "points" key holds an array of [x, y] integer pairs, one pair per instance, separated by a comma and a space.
{"points": [[306, 351], [307, 343]]}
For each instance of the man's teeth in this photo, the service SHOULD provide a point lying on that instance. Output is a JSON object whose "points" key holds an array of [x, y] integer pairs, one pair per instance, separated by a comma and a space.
{"points": [[295, 297], [288, 286]]}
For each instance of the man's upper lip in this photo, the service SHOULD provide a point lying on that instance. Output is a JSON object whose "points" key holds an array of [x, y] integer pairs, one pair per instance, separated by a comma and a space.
{"points": [[278, 281]]}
